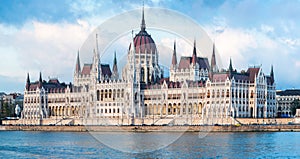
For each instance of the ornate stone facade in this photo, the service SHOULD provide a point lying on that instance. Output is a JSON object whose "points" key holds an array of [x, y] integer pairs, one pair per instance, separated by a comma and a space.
{"points": [[195, 93]]}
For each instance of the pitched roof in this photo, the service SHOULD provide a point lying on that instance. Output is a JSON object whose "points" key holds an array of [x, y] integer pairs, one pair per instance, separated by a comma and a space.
{"points": [[252, 73], [289, 92], [54, 80], [185, 62], [240, 77], [52, 85], [105, 70], [203, 62], [220, 77], [86, 70]]}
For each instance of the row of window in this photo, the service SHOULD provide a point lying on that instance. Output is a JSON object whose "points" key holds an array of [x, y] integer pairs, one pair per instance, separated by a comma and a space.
{"points": [[108, 111]]}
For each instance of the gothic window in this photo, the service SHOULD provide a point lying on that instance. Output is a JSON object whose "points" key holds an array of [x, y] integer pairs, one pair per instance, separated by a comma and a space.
{"points": [[98, 95], [110, 94], [227, 93], [142, 75], [105, 93], [208, 94]]}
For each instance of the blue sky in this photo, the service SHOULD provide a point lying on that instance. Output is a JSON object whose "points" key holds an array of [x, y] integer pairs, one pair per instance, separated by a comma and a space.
{"points": [[44, 36]]}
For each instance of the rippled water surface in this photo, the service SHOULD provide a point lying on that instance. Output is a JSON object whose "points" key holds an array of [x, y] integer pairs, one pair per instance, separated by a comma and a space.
{"points": [[27, 144]]}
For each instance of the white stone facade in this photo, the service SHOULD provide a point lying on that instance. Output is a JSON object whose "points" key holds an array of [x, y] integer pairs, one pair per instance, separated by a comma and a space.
{"points": [[195, 92]]}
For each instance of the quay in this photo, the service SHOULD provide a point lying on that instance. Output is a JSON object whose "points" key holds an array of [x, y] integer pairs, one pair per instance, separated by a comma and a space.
{"points": [[215, 128]]}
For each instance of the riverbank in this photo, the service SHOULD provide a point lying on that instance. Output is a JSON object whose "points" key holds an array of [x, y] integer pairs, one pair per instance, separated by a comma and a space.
{"points": [[231, 128]]}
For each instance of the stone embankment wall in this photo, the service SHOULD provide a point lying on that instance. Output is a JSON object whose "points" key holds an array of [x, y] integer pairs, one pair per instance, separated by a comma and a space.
{"points": [[265, 120], [243, 128], [147, 121]]}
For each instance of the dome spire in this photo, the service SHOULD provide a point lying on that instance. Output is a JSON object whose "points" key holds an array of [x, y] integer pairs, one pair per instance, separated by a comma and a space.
{"points": [[143, 25]]}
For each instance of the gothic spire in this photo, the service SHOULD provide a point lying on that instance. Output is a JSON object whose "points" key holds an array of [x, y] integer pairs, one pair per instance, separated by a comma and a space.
{"points": [[28, 78], [143, 25], [115, 68], [77, 66], [213, 62], [174, 57], [97, 62], [27, 82], [40, 80], [230, 66], [272, 75], [194, 57]]}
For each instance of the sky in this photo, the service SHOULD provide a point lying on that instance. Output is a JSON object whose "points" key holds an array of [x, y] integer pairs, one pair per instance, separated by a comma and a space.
{"points": [[45, 36]]}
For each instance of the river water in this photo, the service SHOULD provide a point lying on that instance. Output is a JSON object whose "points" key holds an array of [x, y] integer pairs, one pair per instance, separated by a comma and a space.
{"points": [[29, 144]]}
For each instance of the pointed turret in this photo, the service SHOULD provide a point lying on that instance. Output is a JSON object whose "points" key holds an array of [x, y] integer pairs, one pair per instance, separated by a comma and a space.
{"points": [[174, 57], [194, 57], [27, 82], [272, 75], [77, 66], [143, 25], [115, 68], [96, 62], [230, 66], [213, 62], [40, 80], [230, 70]]}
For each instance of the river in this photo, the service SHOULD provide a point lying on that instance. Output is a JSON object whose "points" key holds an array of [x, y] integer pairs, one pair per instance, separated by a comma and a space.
{"points": [[30, 144]]}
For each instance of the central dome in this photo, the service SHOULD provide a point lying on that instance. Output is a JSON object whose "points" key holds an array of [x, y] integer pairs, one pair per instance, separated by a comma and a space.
{"points": [[143, 42]]}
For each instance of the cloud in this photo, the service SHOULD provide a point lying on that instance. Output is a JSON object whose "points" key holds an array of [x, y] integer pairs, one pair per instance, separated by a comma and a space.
{"points": [[45, 36], [47, 47], [267, 28], [256, 46]]}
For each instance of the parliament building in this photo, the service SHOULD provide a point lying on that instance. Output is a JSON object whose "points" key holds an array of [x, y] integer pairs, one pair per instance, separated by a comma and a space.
{"points": [[196, 92]]}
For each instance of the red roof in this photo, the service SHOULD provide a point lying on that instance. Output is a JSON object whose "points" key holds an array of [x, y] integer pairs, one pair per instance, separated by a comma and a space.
{"points": [[185, 62], [252, 73], [143, 42], [220, 77], [53, 81], [86, 70]]}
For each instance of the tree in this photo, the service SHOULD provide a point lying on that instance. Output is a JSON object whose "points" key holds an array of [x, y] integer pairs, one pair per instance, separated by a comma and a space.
{"points": [[294, 105], [7, 110]]}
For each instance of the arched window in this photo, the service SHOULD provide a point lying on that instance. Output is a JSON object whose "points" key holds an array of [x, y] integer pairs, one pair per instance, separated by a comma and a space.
{"points": [[142, 75], [98, 95], [227, 93], [208, 94]]}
